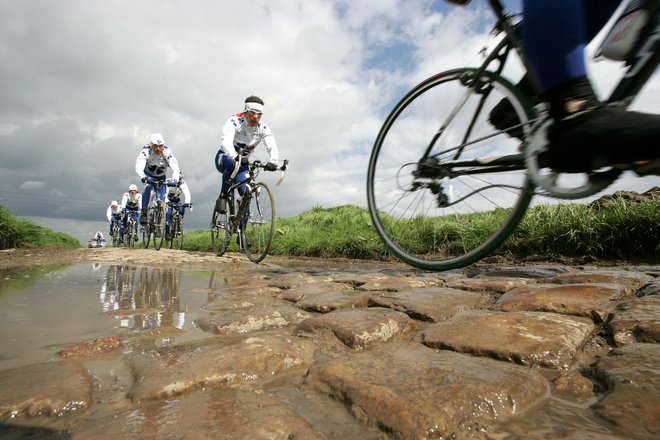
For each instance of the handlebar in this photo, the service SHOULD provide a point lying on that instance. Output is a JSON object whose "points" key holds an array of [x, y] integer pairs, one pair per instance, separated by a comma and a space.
{"points": [[152, 181]]}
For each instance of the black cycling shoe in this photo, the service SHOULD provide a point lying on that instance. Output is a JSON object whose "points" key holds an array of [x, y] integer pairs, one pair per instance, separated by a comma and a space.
{"points": [[503, 116], [601, 137]]}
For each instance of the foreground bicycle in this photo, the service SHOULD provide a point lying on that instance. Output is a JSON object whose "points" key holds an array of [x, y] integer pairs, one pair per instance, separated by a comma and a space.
{"points": [[250, 216], [130, 235], [154, 230], [174, 234], [440, 168]]}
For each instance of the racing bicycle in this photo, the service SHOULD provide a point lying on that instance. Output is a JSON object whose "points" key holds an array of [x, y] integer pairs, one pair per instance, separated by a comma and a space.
{"points": [[445, 187], [250, 215], [174, 233], [115, 234], [130, 235], [154, 230]]}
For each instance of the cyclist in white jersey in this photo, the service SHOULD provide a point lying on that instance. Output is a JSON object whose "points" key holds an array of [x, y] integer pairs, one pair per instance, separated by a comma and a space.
{"points": [[113, 214], [131, 204], [152, 162], [240, 136]]}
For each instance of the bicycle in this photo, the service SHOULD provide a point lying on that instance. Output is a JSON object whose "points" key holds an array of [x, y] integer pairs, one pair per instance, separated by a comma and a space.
{"points": [[250, 216], [115, 234], [130, 234], [440, 168], [154, 230], [174, 234]]}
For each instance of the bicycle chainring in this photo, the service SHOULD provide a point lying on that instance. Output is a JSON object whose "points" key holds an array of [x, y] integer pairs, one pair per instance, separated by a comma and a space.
{"points": [[550, 182]]}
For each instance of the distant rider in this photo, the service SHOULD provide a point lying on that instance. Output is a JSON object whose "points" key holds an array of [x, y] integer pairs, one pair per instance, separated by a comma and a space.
{"points": [[113, 213], [240, 136], [131, 204], [174, 196], [152, 162]]}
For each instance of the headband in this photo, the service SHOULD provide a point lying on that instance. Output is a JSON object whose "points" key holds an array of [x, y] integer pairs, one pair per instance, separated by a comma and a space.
{"points": [[254, 107]]}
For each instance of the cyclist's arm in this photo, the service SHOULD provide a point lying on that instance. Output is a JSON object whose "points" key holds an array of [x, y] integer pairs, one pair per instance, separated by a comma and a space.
{"points": [[227, 138], [173, 164], [186, 192], [108, 213], [140, 163], [124, 200], [271, 145]]}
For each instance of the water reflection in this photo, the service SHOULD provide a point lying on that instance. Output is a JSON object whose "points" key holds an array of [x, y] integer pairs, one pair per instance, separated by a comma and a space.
{"points": [[143, 297]]}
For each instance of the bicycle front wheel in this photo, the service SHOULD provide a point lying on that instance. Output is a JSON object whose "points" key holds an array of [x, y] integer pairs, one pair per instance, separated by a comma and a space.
{"points": [[259, 228], [176, 231], [159, 227], [445, 187]]}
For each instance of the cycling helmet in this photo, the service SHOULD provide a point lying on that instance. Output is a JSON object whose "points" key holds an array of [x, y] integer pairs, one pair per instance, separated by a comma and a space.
{"points": [[132, 187], [157, 139], [114, 203]]}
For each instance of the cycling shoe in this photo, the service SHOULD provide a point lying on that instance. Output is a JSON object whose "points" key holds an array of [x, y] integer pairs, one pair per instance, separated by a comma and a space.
{"points": [[603, 136]]}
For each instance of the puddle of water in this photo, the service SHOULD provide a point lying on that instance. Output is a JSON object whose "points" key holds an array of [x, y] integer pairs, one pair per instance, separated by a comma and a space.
{"points": [[43, 310]]}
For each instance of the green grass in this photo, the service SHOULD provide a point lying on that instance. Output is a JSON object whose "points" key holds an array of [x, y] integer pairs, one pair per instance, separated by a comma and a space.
{"points": [[18, 232], [617, 229]]}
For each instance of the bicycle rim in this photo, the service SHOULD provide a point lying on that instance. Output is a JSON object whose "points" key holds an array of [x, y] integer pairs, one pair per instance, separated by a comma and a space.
{"points": [[260, 223], [177, 233], [458, 209], [219, 240], [159, 227]]}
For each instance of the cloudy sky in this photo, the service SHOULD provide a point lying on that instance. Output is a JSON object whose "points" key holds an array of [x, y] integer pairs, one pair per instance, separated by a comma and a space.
{"points": [[84, 82]]}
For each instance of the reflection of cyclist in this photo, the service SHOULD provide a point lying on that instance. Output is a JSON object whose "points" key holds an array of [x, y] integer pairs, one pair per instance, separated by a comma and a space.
{"points": [[113, 214], [585, 134], [241, 134], [152, 162], [174, 196], [131, 203]]}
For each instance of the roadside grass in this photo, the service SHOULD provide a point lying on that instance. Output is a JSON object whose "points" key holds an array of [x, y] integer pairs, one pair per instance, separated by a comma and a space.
{"points": [[18, 232], [616, 229]]}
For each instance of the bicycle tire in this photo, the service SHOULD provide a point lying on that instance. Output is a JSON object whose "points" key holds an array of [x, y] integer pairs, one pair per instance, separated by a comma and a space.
{"points": [[259, 228], [159, 227], [129, 239], [429, 221], [146, 233], [176, 232], [115, 234], [219, 231]]}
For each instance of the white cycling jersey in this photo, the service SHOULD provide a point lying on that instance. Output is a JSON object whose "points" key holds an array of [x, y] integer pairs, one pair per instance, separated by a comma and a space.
{"points": [[174, 193], [132, 202], [155, 165], [237, 134], [112, 211]]}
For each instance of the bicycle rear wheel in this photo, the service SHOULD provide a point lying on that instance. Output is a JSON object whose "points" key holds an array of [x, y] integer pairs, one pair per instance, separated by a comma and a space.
{"points": [[444, 186], [220, 234], [259, 228]]}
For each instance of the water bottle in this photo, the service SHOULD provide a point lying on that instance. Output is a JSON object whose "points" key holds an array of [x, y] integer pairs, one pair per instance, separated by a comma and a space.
{"points": [[621, 39]]}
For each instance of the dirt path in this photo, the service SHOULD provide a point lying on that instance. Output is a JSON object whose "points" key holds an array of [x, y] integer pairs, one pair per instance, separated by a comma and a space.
{"points": [[24, 257]]}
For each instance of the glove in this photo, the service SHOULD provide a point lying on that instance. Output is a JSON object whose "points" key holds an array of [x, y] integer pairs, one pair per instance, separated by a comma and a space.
{"points": [[172, 182], [144, 179], [244, 161], [270, 166]]}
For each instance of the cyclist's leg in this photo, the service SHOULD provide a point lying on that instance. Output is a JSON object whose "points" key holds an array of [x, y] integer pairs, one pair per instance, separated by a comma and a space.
{"points": [[225, 164], [585, 135], [146, 196]]}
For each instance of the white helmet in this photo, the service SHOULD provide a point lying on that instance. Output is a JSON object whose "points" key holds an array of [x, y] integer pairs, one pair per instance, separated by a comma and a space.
{"points": [[133, 187], [114, 203], [157, 139]]}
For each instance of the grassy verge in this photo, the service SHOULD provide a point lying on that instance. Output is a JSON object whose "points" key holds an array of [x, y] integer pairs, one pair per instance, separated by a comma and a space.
{"points": [[617, 229], [18, 232]]}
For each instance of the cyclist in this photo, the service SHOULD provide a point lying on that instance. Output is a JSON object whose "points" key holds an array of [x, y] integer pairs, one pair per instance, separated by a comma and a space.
{"points": [[152, 162], [174, 196], [98, 237], [240, 136], [131, 204], [113, 213], [585, 134]]}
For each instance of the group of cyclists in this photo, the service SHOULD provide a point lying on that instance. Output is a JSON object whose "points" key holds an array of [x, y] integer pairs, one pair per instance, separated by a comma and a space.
{"points": [[241, 134], [151, 166]]}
